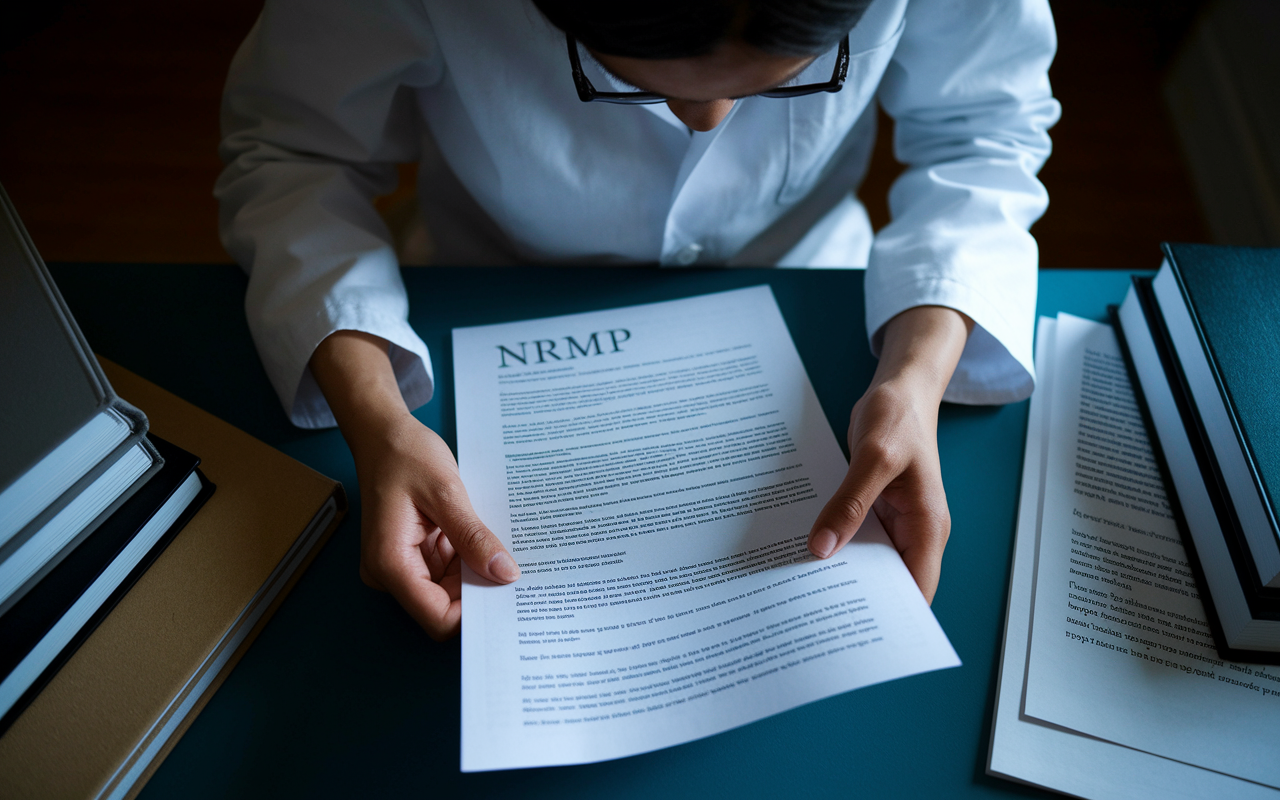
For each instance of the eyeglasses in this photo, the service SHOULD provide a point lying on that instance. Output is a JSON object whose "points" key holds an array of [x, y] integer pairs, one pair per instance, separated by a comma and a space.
{"points": [[588, 94]]}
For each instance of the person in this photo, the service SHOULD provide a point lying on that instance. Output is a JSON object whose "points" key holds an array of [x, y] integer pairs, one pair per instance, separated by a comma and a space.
{"points": [[691, 132]]}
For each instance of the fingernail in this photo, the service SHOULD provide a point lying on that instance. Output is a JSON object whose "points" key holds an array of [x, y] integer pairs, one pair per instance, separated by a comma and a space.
{"points": [[823, 543], [503, 567]]}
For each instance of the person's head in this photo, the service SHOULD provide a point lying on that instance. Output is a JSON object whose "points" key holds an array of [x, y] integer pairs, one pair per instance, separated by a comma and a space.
{"points": [[702, 54]]}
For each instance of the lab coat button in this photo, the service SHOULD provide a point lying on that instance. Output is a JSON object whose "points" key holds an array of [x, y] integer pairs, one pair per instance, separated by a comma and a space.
{"points": [[688, 254]]}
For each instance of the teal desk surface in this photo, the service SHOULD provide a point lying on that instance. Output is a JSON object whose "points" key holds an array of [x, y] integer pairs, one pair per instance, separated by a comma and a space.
{"points": [[343, 696]]}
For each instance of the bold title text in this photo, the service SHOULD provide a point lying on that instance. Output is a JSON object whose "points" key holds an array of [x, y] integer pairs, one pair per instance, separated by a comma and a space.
{"points": [[541, 351]]}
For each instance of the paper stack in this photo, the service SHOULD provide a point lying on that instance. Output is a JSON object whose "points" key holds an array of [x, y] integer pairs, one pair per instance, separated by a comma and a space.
{"points": [[1110, 685]]}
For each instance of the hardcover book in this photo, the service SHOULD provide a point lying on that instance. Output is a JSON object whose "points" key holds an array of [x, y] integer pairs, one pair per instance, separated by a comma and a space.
{"points": [[1220, 306], [44, 629], [109, 716], [73, 450]]}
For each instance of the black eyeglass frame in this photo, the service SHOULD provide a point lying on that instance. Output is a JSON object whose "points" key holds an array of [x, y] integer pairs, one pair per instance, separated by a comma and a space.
{"points": [[587, 93]]}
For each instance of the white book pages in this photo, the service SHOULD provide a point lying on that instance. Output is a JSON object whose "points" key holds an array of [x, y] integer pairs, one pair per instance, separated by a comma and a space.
{"points": [[74, 517], [1251, 504], [655, 471], [1239, 627], [29, 495], [87, 604]]}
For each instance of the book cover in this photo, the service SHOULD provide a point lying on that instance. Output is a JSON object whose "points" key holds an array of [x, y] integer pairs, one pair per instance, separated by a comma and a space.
{"points": [[1242, 613], [1219, 305], [64, 428]]}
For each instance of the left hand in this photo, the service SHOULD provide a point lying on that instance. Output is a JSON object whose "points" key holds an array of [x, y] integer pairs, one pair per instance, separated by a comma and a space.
{"points": [[893, 446], [417, 525]]}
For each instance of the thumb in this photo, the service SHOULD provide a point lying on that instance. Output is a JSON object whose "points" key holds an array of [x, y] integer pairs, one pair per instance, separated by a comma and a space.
{"points": [[478, 546], [843, 514]]}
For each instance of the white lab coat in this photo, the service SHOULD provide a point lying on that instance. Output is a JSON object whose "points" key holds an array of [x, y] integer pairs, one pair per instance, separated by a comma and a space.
{"points": [[326, 96]]}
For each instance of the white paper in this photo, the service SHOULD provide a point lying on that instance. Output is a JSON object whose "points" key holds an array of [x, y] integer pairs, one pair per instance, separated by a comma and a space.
{"points": [[1032, 751], [656, 476], [1120, 647]]}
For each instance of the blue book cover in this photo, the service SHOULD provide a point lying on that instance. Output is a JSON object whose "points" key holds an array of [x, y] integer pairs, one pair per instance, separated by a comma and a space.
{"points": [[1226, 331]]}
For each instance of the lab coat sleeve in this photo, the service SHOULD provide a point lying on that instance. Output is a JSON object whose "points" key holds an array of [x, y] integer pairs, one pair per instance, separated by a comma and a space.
{"points": [[968, 90], [319, 107]]}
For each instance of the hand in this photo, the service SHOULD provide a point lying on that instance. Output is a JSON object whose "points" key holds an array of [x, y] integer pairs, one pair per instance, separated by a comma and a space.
{"points": [[417, 525], [893, 446]]}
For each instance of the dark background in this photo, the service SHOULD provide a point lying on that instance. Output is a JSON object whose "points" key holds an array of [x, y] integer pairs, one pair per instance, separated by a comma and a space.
{"points": [[109, 131]]}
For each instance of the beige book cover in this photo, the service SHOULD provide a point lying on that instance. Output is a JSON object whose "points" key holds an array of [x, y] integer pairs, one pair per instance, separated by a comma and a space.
{"points": [[108, 718]]}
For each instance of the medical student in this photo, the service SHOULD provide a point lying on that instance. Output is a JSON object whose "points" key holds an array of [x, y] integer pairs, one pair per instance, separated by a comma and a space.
{"points": [[688, 132]]}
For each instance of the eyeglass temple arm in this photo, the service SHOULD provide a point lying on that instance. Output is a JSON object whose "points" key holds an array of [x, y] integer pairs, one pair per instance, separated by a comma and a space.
{"points": [[580, 80]]}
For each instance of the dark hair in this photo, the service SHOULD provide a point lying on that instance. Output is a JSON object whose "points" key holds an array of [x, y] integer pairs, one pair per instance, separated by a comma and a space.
{"points": [[685, 28]]}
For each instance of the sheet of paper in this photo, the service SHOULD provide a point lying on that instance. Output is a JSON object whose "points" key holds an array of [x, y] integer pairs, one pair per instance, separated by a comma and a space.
{"points": [[1035, 752], [1120, 647], [655, 471]]}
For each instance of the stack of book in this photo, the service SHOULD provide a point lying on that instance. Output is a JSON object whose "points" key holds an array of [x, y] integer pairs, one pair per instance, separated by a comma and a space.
{"points": [[87, 499], [1202, 339], [128, 587]]}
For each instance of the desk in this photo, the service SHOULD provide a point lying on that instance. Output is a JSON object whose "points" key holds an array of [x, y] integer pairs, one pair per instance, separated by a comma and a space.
{"points": [[342, 696]]}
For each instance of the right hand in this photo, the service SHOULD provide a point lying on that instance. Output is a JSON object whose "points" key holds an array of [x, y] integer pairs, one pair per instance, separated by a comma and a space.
{"points": [[893, 446], [417, 524]]}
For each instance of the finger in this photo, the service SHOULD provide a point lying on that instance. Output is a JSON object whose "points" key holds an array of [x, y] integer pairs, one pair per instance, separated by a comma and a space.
{"points": [[843, 514], [445, 547], [400, 569], [920, 536], [452, 580], [450, 508], [925, 566], [392, 560], [437, 552]]}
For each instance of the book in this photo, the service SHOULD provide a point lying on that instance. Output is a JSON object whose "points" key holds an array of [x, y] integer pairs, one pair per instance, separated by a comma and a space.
{"points": [[73, 450], [107, 719], [1218, 305], [26, 560], [44, 629], [1243, 615]]}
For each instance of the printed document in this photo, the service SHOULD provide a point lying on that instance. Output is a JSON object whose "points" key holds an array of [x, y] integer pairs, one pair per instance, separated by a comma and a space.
{"points": [[655, 471], [1030, 750], [1120, 646]]}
